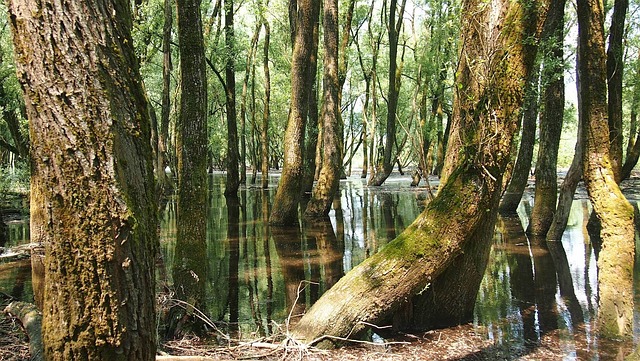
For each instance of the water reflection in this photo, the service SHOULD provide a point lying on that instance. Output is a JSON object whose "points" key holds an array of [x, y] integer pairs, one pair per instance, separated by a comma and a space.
{"points": [[257, 278], [535, 290]]}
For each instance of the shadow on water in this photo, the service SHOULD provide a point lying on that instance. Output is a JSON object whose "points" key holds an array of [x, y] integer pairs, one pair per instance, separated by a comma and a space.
{"points": [[257, 280]]}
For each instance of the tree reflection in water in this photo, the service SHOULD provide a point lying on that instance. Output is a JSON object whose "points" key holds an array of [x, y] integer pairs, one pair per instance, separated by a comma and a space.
{"points": [[532, 290]]}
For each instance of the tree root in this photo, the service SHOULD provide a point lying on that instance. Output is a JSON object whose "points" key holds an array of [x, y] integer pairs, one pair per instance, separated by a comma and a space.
{"points": [[31, 320]]}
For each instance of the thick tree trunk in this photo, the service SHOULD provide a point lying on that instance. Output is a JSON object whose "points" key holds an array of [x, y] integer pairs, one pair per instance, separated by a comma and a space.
{"points": [[93, 201], [416, 258], [233, 154], [191, 149], [615, 68], [544, 204], [329, 179], [616, 259], [285, 204]]}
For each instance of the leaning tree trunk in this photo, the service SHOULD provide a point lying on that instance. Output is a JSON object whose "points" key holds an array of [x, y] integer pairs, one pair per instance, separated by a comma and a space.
{"points": [[571, 180], [487, 101], [329, 179], [285, 204], [520, 174], [92, 161], [615, 213]]}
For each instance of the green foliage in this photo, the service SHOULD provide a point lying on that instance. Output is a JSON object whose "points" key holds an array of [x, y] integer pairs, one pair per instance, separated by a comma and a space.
{"points": [[14, 180]]}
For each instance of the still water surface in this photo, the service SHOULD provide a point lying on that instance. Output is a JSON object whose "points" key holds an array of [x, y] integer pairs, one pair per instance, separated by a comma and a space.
{"points": [[257, 277]]}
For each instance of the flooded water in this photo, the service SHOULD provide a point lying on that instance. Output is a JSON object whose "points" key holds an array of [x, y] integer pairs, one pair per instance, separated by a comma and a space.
{"points": [[258, 278]]}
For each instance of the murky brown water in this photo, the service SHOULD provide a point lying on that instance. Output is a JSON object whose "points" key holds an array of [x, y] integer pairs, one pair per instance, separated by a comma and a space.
{"points": [[257, 277]]}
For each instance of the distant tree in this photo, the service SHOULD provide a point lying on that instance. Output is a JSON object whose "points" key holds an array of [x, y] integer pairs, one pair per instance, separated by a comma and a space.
{"points": [[93, 201], [615, 69], [233, 154], [383, 171]]}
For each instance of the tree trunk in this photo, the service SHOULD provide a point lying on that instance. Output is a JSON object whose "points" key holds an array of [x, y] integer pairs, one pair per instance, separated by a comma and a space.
{"points": [[94, 203], [633, 147], [570, 183], [233, 176], [312, 145], [615, 67], [329, 179], [616, 259], [416, 258], [264, 135], [164, 183], [250, 63], [285, 204], [544, 204], [520, 174], [191, 149]]}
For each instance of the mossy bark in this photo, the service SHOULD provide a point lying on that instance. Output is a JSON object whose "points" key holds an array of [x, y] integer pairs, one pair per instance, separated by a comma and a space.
{"points": [[327, 186], [94, 202], [285, 204], [544, 204], [615, 213], [487, 100], [191, 149]]}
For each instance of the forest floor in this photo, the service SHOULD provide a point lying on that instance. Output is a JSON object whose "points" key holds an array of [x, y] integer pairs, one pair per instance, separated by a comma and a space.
{"points": [[452, 344]]}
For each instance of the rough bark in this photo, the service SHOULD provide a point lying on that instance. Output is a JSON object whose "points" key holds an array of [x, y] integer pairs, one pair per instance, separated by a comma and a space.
{"points": [[312, 145], [520, 174], [544, 204], [233, 154], [285, 204], [93, 199], [615, 67], [616, 259], [488, 98], [191, 149], [329, 179]]}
